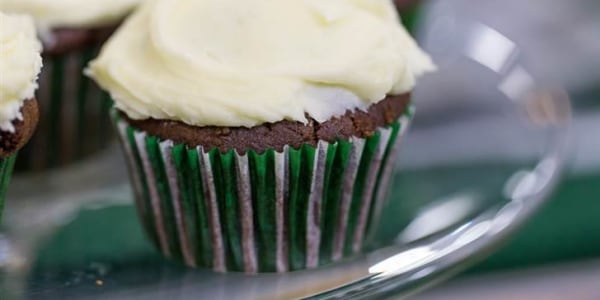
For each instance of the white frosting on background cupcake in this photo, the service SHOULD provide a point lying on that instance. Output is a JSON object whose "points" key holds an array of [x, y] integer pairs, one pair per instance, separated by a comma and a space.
{"points": [[71, 13], [245, 63], [20, 65]]}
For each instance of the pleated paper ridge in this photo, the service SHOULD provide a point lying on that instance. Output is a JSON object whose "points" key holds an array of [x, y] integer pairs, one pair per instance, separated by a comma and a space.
{"points": [[6, 169], [260, 212]]}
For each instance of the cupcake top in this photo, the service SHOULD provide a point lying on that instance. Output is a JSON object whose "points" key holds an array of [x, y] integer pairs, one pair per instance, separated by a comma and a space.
{"points": [[71, 13], [244, 63], [20, 64]]}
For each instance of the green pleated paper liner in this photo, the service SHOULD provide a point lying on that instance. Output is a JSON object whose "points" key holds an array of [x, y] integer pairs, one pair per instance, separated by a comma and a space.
{"points": [[6, 169], [260, 212], [74, 114]]}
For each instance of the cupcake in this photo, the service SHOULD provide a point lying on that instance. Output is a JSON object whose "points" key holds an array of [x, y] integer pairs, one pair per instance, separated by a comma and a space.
{"points": [[410, 12], [262, 141], [74, 120], [20, 64], [405, 4]]}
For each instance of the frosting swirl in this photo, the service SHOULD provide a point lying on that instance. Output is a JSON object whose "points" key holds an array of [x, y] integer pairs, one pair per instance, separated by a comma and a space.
{"points": [[244, 63], [71, 13], [20, 64]]}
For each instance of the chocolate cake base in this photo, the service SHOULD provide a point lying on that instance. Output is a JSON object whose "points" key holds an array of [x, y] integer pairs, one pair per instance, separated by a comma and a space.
{"points": [[65, 40], [280, 134], [24, 129], [404, 4], [290, 209]]}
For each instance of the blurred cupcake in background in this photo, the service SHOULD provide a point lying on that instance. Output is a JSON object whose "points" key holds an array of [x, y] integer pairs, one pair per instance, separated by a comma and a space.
{"points": [[20, 64], [74, 120], [410, 11], [262, 141], [404, 4]]}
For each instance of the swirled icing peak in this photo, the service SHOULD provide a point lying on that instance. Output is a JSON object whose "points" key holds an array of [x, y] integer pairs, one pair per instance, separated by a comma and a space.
{"points": [[20, 65], [244, 63], [71, 13]]}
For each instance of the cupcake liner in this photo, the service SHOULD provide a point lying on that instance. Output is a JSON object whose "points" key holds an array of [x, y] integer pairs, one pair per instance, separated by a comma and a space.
{"points": [[74, 114], [260, 212], [6, 168]]}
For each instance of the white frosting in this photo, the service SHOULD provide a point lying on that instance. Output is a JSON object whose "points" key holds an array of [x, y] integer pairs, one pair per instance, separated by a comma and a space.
{"points": [[20, 65], [244, 63], [71, 13]]}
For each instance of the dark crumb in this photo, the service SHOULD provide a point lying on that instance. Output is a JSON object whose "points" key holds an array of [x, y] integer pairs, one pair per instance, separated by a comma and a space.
{"points": [[12, 142], [278, 135]]}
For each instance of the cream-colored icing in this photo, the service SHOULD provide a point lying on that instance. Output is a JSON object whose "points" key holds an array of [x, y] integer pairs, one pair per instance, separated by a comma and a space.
{"points": [[20, 65], [244, 63], [71, 13]]}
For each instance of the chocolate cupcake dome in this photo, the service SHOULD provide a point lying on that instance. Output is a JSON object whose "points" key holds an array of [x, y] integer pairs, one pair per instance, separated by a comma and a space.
{"points": [[280, 134], [24, 127], [263, 141]]}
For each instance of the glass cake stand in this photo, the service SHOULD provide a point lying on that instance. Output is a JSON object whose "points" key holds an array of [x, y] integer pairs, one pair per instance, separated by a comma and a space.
{"points": [[486, 148]]}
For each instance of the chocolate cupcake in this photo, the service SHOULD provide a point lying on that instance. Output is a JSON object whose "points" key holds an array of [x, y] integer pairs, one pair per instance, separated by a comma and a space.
{"points": [[74, 120], [264, 141], [20, 64], [405, 4]]}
